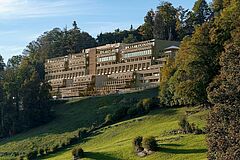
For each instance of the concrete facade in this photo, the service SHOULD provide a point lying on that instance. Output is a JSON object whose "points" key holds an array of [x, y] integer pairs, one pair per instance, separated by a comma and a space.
{"points": [[106, 69]]}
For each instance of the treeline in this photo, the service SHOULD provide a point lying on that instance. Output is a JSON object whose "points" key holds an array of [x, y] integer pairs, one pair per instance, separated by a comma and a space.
{"points": [[207, 71], [24, 95]]}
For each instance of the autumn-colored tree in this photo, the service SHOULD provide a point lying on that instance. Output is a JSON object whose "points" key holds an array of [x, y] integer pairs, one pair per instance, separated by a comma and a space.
{"points": [[224, 93]]}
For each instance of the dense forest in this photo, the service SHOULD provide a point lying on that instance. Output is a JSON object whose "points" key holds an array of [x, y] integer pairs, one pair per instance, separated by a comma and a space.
{"points": [[205, 72]]}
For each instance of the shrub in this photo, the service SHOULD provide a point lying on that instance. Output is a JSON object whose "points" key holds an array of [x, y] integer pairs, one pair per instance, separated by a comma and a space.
{"points": [[78, 152], [41, 152], [82, 133], [137, 144], [150, 144], [47, 150], [109, 119], [133, 111], [185, 125], [55, 148], [146, 102], [20, 157], [32, 155], [189, 128], [120, 113], [73, 140]]}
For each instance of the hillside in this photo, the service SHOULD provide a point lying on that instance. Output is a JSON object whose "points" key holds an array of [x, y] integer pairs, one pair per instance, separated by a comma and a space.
{"points": [[115, 142], [70, 117]]}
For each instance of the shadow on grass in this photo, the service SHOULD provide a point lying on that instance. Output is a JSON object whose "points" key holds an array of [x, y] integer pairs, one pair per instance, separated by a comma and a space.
{"points": [[96, 155], [182, 151], [171, 145]]}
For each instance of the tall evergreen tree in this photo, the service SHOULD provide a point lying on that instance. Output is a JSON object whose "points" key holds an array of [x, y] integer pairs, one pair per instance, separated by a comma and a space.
{"points": [[165, 22], [201, 12], [147, 28]]}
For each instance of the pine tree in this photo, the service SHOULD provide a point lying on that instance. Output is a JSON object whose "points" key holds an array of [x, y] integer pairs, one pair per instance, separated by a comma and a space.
{"points": [[147, 28], [201, 12]]}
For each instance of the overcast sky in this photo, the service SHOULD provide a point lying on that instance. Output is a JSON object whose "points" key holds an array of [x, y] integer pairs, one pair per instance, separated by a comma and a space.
{"points": [[22, 21]]}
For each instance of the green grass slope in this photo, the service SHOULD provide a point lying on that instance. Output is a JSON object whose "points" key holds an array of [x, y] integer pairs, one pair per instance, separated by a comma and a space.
{"points": [[115, 142], [69, 118]]}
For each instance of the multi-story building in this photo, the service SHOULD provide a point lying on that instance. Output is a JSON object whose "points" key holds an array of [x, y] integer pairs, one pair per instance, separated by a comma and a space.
{"points": [[106, 69]]}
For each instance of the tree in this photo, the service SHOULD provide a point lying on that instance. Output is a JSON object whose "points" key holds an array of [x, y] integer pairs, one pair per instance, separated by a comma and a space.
{"points": [[147, 28], [165, 22], [217, 6], [195, 66], [130, 39], [224, 120], [201, 12], [182, 23], [2, 64], [15, 61], [59, 42]]}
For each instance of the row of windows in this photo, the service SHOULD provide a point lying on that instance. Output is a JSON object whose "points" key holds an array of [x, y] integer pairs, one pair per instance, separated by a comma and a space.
{"points": [[108, 51], [115, 82], [124, 68], [138, 45], [137, 54], [104, 59], [76, 74]]}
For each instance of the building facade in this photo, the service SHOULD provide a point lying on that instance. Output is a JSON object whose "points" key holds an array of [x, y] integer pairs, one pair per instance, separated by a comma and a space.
{"points": [[106, 69]]}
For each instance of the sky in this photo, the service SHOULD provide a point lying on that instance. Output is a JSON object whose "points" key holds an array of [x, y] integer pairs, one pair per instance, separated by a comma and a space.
{"points": [[22, 21]]}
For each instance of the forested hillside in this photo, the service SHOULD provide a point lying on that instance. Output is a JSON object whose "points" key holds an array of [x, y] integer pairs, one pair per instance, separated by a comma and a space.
{"points": [[205, 73]]}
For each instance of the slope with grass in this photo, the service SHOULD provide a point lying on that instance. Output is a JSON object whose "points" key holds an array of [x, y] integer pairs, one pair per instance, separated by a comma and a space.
{"points": [[70, 117], [114, 142]]}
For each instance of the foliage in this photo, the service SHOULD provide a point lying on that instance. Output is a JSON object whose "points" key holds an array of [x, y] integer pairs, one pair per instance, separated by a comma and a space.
{"points": [[69, 123], [78, 152], [185, 125], [148, 26], [115, 141], [119, 36], [165, 22], [224, 119], [59, 42], [137, 143], [185, 81], [150, 144], [201, 12], [32, 155]]}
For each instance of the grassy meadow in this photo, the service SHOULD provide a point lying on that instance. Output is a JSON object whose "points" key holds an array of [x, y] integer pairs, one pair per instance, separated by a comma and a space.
{"points": [[114, 142]]}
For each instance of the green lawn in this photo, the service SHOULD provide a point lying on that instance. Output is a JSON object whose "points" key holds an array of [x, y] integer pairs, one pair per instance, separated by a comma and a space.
{"points": [[115, 142], [69, 118]]}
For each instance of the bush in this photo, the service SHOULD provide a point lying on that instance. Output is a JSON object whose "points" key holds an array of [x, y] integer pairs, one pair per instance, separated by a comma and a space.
{"points": [[109, 119], [47, 150], [137, 144], [132, 112], [185, 125], [78, 152], [32, 155], [189, 128], [55, 148], [20, 157], [41, 152], [82, 133], [120, 113], [73, 140], [150, 144]]}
